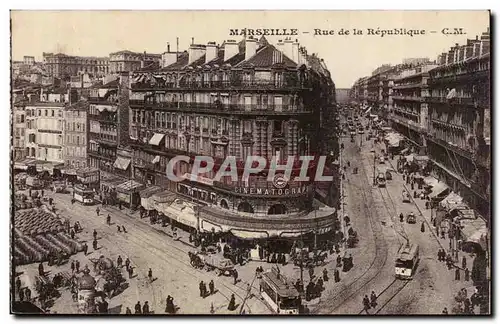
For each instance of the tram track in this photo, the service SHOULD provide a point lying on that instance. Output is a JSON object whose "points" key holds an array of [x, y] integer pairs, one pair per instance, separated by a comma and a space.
{"points": [[373, 269], [386, 296], [140, 238]]}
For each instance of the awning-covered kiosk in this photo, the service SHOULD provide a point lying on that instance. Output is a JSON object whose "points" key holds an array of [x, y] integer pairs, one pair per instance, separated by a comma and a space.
{"points": [[146, 194], [438, 189], [25, 165], [473, 229], [128, 192]]}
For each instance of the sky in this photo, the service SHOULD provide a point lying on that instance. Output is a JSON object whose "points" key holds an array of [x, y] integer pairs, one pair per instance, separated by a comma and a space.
{"points": [[348, 57]]}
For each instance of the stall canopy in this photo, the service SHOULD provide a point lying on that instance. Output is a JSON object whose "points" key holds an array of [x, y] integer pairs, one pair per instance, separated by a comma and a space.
{"points": [[452, 201], [24, 164], [129, 186], [121, 163], [180, 211], [474, 230], [146, 195], [393, 139], [156, 139], [438, 187]]}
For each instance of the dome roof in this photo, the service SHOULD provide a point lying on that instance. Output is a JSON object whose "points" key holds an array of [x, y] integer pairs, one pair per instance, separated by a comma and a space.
{"points": [[86, 282]]}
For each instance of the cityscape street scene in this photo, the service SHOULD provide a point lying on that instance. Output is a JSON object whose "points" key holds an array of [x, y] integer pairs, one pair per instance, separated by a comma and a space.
{"points": [[239, 173]]}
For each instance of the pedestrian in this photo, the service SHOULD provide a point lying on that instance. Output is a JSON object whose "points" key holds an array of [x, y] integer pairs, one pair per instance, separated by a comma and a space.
{"points": [[445, 311], [42, 192], [145, 308], [138, 308], [339, 261], [211, 286], [94, 244], [311, 272], [337, 275], [401, 217], [467, 274], [422, 228], [124, 230], [232, 303], [95, 234], [85, 248], [127, 264], [130, 272], [108, 220], [97, 210], [77, 266], [119, 261], [21, 294], [28, 294], [201, 286], [366, 303], [170, 305], [325, 275], [72, 234], [467, 304], [457, 274], [73, 266], [128, 311], [41, 271], [150, 275], [18, 284], [119, 228], [373, 299], [235, 276], [439, 255], [464, 262]]}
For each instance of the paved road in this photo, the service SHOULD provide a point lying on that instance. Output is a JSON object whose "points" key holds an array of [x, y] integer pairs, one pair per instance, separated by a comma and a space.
{"points": [[148, 248]]}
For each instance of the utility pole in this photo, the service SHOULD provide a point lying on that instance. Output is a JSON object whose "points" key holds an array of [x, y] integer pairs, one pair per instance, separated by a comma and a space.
{"points": [[374, 163]]}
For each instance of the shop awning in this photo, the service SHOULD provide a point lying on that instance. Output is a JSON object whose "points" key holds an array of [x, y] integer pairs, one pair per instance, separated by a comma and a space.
{"points": [[156, 139], [452, 201], [438, 187], [474, 231], [149, 191], [180, 211], [156, 159], [249, 235], [121, 163], [129, 186]]}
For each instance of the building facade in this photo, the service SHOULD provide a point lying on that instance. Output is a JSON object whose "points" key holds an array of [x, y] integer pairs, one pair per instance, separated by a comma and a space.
{"points": [[19, 128], [64, 66], [75, 134], [243, 99], [127, 61], [44, 131], [108, 126], [458, 140]]}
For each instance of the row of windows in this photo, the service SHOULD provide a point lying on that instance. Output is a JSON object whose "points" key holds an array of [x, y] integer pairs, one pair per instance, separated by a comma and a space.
{"points": [[75, 127], [19, 119], [19, 131], [44, 112], [76, 151], [76, 164], [75, 140]]}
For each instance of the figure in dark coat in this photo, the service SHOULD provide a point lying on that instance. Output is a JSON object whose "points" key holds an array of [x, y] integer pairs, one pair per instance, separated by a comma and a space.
{"points": [[467, 274], [422, 228], [145, 308], [457, 274], [232, 303], [138, 308]]}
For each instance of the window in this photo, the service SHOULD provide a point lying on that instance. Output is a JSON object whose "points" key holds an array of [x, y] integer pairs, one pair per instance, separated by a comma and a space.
{"points": [[278, 102], [247, 126], [278, 126], [53, 112], [46, 112], [39, 113], [22, 118], [78, 140]]}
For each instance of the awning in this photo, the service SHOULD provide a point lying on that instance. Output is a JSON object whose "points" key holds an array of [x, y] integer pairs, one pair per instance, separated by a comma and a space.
{"points": [[474, 231], [121, 163], [180, 211], [452, 201], [93, 142], [156, 139], [249, 235], [20, 166], [129, 186], [438, 187], [149, 191], [156, 159]]}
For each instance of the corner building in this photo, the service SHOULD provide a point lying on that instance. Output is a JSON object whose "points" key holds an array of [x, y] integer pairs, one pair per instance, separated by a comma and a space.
{"points": [[242, 99]]}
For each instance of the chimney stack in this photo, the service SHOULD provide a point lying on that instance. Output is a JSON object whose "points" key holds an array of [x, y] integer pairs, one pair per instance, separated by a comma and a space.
{"points": [[211, 53], [195, 52], [192, 40], [230, 49], [288, 47], [295, 51], [168, 47], [250, 47]]}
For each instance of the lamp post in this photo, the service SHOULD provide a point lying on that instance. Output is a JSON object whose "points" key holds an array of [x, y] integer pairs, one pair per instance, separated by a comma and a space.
{"points": [[374, 163]]}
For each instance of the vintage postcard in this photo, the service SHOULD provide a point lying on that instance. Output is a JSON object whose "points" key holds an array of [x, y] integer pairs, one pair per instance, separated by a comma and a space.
{"points": [[251, 162]]}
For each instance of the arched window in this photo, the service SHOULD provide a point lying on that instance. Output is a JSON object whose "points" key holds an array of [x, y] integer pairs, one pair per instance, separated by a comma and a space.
{"points": [[224, 204], [277, 209], [245, 207], [32, 152]]}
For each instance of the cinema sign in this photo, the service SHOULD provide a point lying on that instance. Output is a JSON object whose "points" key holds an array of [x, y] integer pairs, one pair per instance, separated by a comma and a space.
{"points": [[271, 191]]}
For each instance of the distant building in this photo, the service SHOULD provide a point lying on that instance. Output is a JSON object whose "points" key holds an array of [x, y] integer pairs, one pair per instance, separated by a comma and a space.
{"points": [[416, 61], [127, 61], [342, 95], [19, 128], [29, 60], [62, 65], [75, 134]]}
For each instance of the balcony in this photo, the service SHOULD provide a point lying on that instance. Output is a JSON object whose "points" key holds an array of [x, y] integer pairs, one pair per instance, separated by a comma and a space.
{"points": [[459, 150], [221, 109], [458, 77], [104, 138], [290, 84], [99, 154], [466, 101], [103, 118], [101, 100], [410, 85], [408, 98]]}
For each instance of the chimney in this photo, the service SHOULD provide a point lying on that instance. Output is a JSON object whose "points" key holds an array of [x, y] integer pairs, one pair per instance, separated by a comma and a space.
{"points": [[168, 47], [250, 47], [230, 49], [295, 51], [288, 47], [280, 46], [195, 52], [211, 52]]}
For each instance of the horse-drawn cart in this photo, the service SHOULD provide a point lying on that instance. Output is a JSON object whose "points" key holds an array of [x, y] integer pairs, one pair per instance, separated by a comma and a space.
{"points": [[211, 262]]}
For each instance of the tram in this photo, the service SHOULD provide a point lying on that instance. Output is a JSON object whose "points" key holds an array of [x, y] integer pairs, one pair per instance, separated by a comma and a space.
{"points": [[407, 261], [281, 296], [83, 195]]}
